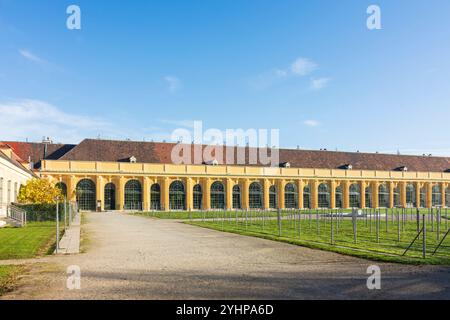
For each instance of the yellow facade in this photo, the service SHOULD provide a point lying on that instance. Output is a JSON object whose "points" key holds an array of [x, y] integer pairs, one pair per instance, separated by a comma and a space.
{"points": [[101, 173]]}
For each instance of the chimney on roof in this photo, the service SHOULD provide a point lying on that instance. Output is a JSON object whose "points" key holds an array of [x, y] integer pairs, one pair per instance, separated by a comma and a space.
{"points": [[46, 140]]}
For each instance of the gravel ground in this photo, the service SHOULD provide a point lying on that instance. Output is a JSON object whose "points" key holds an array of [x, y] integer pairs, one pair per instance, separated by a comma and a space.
{"points": [[131, 257]]}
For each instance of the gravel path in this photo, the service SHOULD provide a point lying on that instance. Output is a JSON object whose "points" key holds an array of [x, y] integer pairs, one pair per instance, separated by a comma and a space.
{"points": [[130, 257]]}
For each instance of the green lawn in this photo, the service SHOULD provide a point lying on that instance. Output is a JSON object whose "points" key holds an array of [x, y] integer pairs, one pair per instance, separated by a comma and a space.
{"points": [[36, 238], [318, 232], [8, 277], [184, 215]]}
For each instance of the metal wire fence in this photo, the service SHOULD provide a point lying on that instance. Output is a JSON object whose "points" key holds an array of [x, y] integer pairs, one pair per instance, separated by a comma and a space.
{"points": [[405, 232]]}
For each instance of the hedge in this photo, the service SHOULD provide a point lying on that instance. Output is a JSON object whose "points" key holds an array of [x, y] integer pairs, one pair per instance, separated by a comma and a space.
{"points": [[42, 212]]}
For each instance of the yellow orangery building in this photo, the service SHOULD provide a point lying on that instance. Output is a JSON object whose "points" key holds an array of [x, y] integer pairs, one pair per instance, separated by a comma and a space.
{"points": [[128, 175]]}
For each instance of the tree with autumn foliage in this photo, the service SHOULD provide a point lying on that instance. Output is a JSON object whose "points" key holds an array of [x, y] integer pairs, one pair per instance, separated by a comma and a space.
{"points": [[39, 191]]}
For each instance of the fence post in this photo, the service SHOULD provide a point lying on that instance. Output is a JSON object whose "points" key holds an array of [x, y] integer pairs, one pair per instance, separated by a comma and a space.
{"points": [[378, 218], [317, 222], [279, 222], [438, 222], [418, 219], [331, 227], [65, 215], [355, 230], [424, 237], [432, 219], [57, 226]]}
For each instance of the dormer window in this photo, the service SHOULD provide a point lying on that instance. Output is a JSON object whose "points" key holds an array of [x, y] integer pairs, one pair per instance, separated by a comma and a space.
{"points": [[213, 162], [403, 168], [346, 167], [285, 165], [133, 159]]}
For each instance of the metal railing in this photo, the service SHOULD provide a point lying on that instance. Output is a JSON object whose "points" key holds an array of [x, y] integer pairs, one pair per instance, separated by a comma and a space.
{"points": [[16, 214]]}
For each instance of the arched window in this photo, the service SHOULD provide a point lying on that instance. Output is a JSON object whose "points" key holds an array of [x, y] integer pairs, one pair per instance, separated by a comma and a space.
{"points": [[217, 195], [355, 196], [411, 196], [383, 196], [110, 196], [324, 195], [255, 196], [423, 197], [436, 196], [397, 197], [197, 197], [236, 197], [177, 196], [155, 197], [338, 200], [62, 186], [133, 195], [86, 195], [273, 197], [369, 202], [290, 196], [307, 197]]}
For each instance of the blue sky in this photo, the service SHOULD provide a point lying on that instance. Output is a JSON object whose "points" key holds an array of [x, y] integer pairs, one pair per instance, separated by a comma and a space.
{"points": [[140, 69]]}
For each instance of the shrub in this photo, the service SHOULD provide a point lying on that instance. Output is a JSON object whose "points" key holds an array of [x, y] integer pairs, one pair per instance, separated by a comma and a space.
{"points": [[43, 212], [39, 191]]}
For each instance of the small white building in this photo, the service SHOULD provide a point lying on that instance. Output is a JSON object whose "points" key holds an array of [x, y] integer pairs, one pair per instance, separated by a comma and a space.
{"points": [[14, 172]]}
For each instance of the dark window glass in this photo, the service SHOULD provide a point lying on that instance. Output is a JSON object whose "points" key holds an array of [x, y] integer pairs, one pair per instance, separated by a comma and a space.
{"points": [[236, 197], [411, 196], [177, 196], [197, 197], [155, 197], [273, 197], [133, 195], [62, 186], [255, 196], [383, 196], [436, 196], [217, 196], [355, 196], [290, 196], [324, 196], [110, 196], [86, 195], [307, 197], [339, 201], [369, 202]]}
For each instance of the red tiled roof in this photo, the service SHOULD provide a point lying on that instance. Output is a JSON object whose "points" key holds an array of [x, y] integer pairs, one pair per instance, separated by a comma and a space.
{"points": [[35, 152], [155, 152], [15, 159]]}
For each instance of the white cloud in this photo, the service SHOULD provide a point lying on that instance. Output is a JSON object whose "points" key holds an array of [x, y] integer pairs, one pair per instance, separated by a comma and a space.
{"points": [[303, 67], [31, 56], [299, 68], [318, 84], [174, 83], [311, 123], [34, 119], [179, 123]]}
